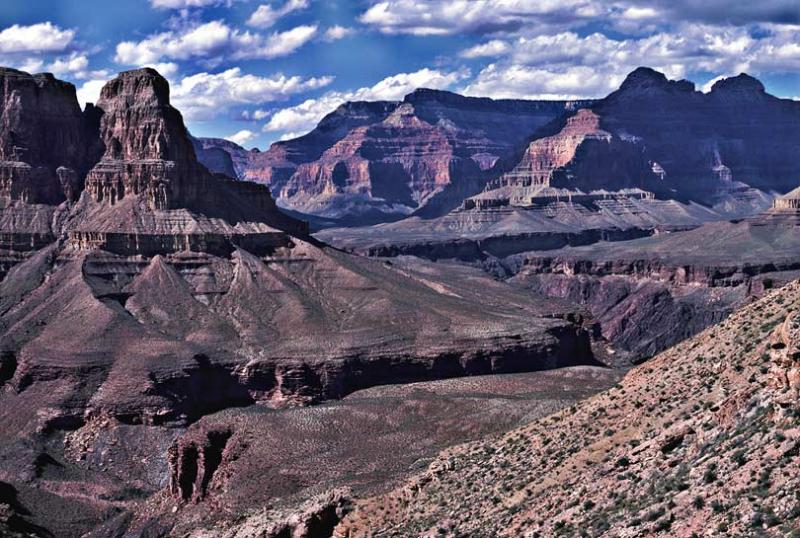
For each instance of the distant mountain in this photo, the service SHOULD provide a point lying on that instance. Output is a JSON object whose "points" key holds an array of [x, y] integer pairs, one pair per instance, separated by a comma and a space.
{"points": [[729, 149], [377, 161], [664, 137]]}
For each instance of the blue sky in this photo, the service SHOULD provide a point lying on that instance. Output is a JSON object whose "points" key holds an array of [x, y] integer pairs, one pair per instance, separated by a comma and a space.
{"points": [[256, 71]]}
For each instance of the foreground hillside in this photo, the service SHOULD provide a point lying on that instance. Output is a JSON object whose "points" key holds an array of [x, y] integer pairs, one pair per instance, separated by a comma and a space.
{"points": [[702, 440]]}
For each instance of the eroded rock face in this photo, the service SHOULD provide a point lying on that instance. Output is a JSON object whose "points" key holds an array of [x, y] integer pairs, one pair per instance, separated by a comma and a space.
{"points": [[218, 155], [785, 351], [428, 151], [735, 133], [193, 460], [581, 156], [147, 148], [663, 139], [150, 195], [42, 131]]}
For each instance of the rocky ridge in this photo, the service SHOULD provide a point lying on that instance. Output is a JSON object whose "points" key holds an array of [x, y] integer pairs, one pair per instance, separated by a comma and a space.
{"points": [[654, 156], [703, 439], [664, 137]]}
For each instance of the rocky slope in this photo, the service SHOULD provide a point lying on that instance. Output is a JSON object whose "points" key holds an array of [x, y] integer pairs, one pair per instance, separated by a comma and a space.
{"points": [[376, 160], [701, 440], [149, 304]]}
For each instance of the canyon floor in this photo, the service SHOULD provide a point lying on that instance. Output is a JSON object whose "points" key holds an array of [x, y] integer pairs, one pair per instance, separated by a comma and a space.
{"points": [[275, 459]]}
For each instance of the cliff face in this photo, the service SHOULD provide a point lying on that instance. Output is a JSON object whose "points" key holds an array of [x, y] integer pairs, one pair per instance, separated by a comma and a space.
{"points": [[423, 154], [735, 133], [147, 148], [44, 144], [725, 149], [665, 138], [581, 156], [150, 194]]}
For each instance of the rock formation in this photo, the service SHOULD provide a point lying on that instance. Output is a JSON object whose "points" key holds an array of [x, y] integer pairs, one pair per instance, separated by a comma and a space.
{"points": [[605, 160], [785, 351], [663, 137], [428, 151], [790, 202], [45, 143], [157, 293], [654, 156], [193, 461]]}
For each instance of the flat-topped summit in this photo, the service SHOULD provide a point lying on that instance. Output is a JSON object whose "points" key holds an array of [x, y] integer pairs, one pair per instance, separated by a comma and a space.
{"points": [[147, 146], [143, 86]]}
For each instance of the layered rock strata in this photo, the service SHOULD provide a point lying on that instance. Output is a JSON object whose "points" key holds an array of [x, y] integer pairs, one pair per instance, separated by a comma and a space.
{"points": [[165, 293], [371, 159], [662, 136]]}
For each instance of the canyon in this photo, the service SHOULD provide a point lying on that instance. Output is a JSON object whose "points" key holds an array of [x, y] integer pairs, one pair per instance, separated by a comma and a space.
{"points": [[507, 309], [133, 304]]}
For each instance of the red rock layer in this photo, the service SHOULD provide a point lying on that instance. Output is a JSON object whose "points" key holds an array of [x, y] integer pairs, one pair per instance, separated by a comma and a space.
{"points": [[429, 151]]}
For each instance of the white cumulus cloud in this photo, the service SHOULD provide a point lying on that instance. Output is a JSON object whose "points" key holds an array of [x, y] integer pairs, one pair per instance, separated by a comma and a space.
{"points": [[203, 96], [495, 47], [442, 17], [212, 40], [89, 91], [242, 137], [41, 37], [569, 65], [266, 15], [337, 32], [280, 43]]}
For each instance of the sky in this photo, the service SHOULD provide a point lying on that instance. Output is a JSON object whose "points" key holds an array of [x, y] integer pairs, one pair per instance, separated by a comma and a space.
{"points": [[256, 71]]}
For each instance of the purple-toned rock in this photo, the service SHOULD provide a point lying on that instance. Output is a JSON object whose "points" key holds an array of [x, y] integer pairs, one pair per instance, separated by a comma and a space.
{"points": [[42, 129], [370, 161]]}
